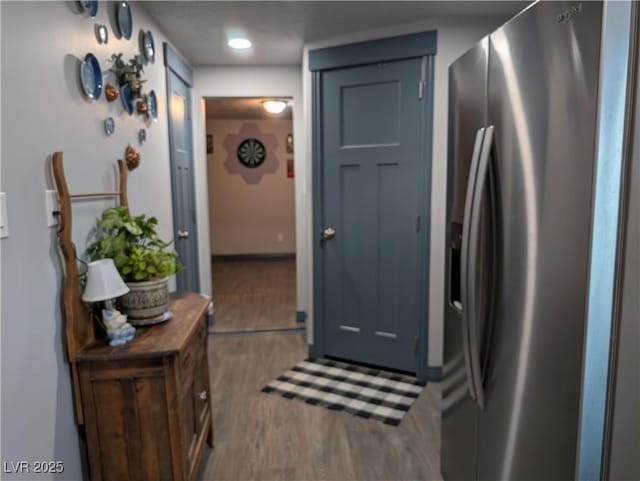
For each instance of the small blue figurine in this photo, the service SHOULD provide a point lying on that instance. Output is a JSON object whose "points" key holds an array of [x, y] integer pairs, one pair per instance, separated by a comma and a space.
{"points": [[118, 329]]}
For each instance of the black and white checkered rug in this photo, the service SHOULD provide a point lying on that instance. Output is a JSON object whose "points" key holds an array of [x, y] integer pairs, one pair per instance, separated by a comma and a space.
{"points": [[364, 392]]}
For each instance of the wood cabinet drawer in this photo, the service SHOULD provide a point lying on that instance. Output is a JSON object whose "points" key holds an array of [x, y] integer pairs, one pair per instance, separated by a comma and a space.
{"points": [[194, 350]]}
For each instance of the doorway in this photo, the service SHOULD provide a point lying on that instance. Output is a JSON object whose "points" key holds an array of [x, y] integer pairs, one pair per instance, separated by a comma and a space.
{"points": [[251, 214]]}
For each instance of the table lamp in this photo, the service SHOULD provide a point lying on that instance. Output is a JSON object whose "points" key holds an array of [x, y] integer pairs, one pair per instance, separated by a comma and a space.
{"points": [[104, 284]]}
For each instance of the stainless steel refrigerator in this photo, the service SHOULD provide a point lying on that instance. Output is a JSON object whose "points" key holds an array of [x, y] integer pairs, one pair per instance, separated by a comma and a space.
{"points": [[532, 219]]}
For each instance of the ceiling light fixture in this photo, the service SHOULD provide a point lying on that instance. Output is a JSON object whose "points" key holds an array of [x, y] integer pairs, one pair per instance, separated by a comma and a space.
{"points": [[239, 43], [274, 106]]}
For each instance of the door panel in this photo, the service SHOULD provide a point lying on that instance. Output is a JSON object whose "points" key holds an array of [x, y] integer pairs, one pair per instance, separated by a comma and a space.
{"points": [[373, 178], [389, 182], [382, 114], [467, 104], [350, 275], [543, 69], [184, 213]]}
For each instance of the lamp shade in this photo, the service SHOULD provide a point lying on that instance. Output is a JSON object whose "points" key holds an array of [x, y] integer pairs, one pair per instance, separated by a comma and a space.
{"points": [[103, 282]]}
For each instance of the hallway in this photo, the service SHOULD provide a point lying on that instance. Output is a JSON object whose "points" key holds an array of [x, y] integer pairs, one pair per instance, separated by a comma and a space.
{"points": [[260, 436], [254, 294]]}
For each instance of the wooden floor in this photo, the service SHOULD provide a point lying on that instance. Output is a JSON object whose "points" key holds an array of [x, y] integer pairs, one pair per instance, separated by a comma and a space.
{"points": [[254, 294], [266, 437]]}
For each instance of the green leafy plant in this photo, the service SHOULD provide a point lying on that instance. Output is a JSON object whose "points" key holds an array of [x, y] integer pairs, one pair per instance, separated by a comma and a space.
{"points": [[130, 73], [133, 244]]}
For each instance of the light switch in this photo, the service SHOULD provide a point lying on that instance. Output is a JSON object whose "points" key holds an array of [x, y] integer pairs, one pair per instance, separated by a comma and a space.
{"points": [[51, 204], [4, 220]]}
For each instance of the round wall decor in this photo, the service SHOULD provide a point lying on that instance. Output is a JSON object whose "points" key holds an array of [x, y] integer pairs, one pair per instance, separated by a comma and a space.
{"points": [[91, 77], [102, 34], [251, 153], [241, 143], [125, 22], [109, 125]]}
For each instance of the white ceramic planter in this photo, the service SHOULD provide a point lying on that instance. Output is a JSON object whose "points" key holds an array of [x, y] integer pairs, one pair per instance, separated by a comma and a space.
{"points": [[146, 299]]}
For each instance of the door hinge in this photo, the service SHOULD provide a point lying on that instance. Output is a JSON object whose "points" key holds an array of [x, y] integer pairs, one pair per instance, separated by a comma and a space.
{"points": [[420, 89], [416, 341], [418, 223]]}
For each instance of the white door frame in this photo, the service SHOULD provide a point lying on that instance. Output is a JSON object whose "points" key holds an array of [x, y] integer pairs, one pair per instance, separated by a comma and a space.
{"points": [[237, 82]]}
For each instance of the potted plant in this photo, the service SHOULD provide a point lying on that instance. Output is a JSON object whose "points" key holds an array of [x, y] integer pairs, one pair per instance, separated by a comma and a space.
{"points": [[141, 257], [130, 73]]}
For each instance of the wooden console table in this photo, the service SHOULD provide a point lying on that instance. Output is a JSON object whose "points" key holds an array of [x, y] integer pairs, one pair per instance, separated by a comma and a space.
{"points": [[146, 404]]}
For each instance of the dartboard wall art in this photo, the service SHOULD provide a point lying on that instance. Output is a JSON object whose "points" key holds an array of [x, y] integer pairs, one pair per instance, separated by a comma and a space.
{"points": [[251, 153]]}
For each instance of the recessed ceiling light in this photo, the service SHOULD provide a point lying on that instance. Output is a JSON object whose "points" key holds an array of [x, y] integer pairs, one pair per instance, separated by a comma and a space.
{"points": [[274, 106], [239, 43]]}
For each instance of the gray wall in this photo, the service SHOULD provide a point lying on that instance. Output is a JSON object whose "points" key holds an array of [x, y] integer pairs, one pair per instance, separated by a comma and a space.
{"points": [[42, 112]]}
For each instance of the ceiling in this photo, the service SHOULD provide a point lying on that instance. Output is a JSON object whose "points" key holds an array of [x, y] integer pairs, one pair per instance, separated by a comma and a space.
{"points": [[279, 30], [244, 109]]}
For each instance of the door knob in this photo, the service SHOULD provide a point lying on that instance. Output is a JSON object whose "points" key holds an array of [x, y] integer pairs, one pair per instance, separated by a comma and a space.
{"points": [[183, 234], [328, 233]]}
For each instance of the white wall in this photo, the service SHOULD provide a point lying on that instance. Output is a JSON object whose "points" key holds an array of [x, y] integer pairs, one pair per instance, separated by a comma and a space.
{"points": [[221, 82], [455, 36], [43, 111], [250, 218]]}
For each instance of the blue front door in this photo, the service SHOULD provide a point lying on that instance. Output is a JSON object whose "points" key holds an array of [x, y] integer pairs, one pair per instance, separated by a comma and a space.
{"points": [[373, 209]]}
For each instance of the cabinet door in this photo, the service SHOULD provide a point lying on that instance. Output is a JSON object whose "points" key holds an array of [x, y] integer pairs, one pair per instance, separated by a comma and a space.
{"points": [[127, 422], [195, 398], [201, 392]]}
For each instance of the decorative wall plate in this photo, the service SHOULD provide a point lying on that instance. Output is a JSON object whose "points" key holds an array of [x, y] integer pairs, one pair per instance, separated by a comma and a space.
{"points": [[109, 125], [251, 153], [90, 7], [102, 34], [91, 77], [125, 21], [152, 103], [148, 47], [127, 98]]}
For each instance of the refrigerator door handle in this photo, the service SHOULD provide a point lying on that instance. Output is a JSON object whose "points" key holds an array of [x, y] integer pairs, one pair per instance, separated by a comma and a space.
{"points": [[464, 288], [474, 229]]}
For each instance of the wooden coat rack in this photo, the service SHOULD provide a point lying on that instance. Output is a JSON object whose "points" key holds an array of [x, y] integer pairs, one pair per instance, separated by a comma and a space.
{"points": [[79, 332]]}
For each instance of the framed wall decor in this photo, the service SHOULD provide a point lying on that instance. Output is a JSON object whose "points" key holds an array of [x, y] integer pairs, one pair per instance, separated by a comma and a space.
{"points": [[290, 172], [209, 143], [290, 144]]}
